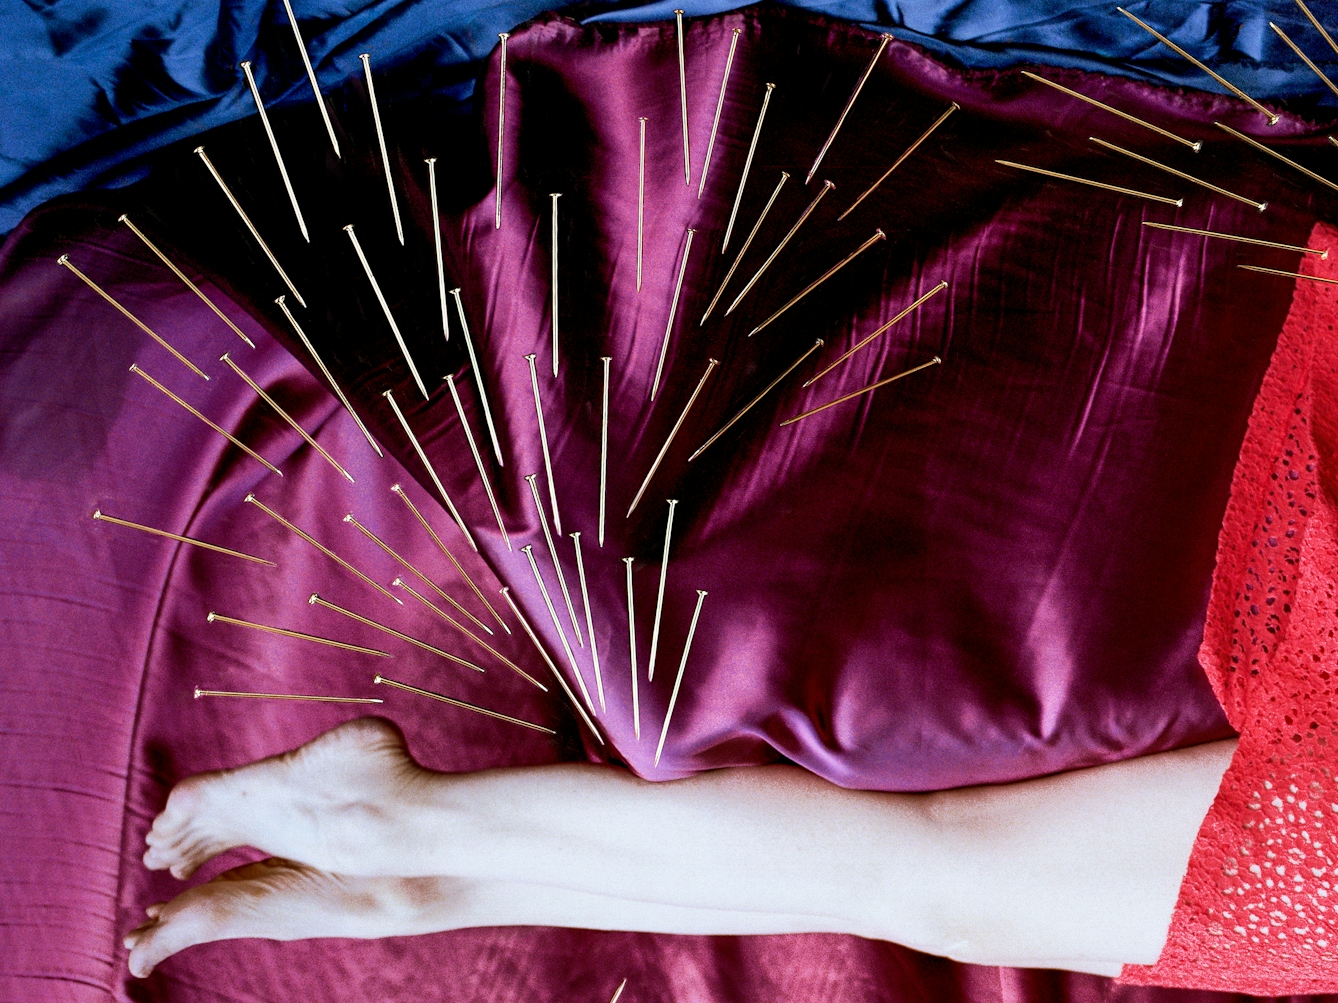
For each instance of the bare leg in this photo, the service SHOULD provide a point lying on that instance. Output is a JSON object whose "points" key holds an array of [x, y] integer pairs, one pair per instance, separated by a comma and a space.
{"points": [[1084, 866], [282, 900]]}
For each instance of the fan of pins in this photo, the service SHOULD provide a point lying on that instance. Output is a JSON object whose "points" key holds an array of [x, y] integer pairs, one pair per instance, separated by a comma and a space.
{"points": [[588, 712]]}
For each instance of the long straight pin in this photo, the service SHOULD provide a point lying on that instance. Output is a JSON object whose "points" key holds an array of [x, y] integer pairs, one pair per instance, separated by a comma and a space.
{"points": [[1195, 145], [871, 387], [901, 159], [478, 376], [225, 357], [1323, 253], [785, 176], [868, 71], [554, 284], [213, 617], [311, 75], [1318, 27], [381, 141], [446, 550], [134, 368], [749, 406], [385, 309], [826, 187], [532, 479], [1290, 275], [528, 550], [274, 146], [659, 595], [316, 600], [253, 500], [538, 646], [64, 259], [124, 218], [678, 680], [478, 460], [1095, 184], [747, 166], [683, 99], [199, 150], [1272, 119], [306, 342], [101, 516], [604, 447], [543, 441], [589, 621], [659, 457], [436, 238], [877, 236], [640, 203], [904, 313], [1261, 206], [462, 704], [402, 584], [283, 696], [501, 126], [619, 991], [673, 311], [1274, 153], [1304, 58], [395, 556], [631, 646], [719, 107], [431, 470]]}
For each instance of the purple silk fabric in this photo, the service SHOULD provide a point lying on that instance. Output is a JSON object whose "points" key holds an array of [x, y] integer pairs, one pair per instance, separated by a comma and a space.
{"points": [[993, 569]]}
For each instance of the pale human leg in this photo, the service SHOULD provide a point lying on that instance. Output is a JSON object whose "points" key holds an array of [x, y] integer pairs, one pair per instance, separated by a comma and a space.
{"points": [[1083, 866], [283, 900]]}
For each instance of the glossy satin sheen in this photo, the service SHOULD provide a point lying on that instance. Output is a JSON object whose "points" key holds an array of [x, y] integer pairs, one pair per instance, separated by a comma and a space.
{"points": [[997, 568], [994, 569]]}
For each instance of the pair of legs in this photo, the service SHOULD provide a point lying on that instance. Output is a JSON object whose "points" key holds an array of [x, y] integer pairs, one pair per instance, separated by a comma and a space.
{"points": [[1078, 871]]}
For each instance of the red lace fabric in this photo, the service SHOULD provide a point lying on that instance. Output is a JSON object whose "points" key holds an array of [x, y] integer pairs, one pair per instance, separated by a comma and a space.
{"points": [[1258, 910]]}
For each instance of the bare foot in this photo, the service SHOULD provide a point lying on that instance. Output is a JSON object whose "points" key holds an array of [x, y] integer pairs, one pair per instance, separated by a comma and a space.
{"points": [[332, 804], [276, 900]]}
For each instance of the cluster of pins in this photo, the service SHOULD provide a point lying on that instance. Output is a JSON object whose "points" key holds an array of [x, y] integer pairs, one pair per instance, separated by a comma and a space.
{"points": [[585, 706]]}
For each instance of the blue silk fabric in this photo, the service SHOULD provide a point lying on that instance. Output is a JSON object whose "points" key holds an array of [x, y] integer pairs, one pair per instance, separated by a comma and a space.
{"points": [[90, 89]]}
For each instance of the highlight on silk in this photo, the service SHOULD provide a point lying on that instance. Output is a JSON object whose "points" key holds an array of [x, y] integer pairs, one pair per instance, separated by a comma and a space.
{"points": [[1003, 445]]}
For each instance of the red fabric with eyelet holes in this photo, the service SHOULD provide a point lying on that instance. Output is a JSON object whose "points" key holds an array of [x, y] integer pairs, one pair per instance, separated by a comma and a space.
{"points": [[1258, 911]]}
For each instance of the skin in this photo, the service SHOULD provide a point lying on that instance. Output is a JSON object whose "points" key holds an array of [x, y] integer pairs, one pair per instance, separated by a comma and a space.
{"points": [[366, 843]]}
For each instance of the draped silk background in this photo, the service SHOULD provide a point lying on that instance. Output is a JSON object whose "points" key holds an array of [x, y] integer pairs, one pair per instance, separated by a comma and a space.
{"points": [[993, 570]]}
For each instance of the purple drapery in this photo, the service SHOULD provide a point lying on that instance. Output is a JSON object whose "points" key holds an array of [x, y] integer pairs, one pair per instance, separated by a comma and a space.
{"points": [[995, 569]]}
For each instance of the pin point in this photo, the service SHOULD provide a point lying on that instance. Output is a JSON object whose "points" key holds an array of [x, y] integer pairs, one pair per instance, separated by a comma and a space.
{"points": [[274, 146]]}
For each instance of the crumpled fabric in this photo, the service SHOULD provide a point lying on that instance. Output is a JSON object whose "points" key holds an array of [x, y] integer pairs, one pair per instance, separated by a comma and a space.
{"points": [[994, 569], [90, 90], [1257, 911]]}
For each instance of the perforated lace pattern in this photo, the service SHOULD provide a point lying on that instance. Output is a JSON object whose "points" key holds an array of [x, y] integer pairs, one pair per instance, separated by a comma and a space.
{"points": [[1258, 911]]}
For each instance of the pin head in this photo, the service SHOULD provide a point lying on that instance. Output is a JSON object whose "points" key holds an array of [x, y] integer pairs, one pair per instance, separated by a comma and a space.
{"points": [[279, 300], [398, 583], [364, 56], [702, 593], [245, 64], [770, 88], [197, 693], [397, 489], [210, 617], [377, 680], [531, 477], [504, 35], [199, 149], [311, 599], [348, 517], [64, 259], [575, 536], [527, 549], [829, 184], [532, 356], [430, 160], [250, 497], [97, 513], [123, 217], [628, 560]]}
